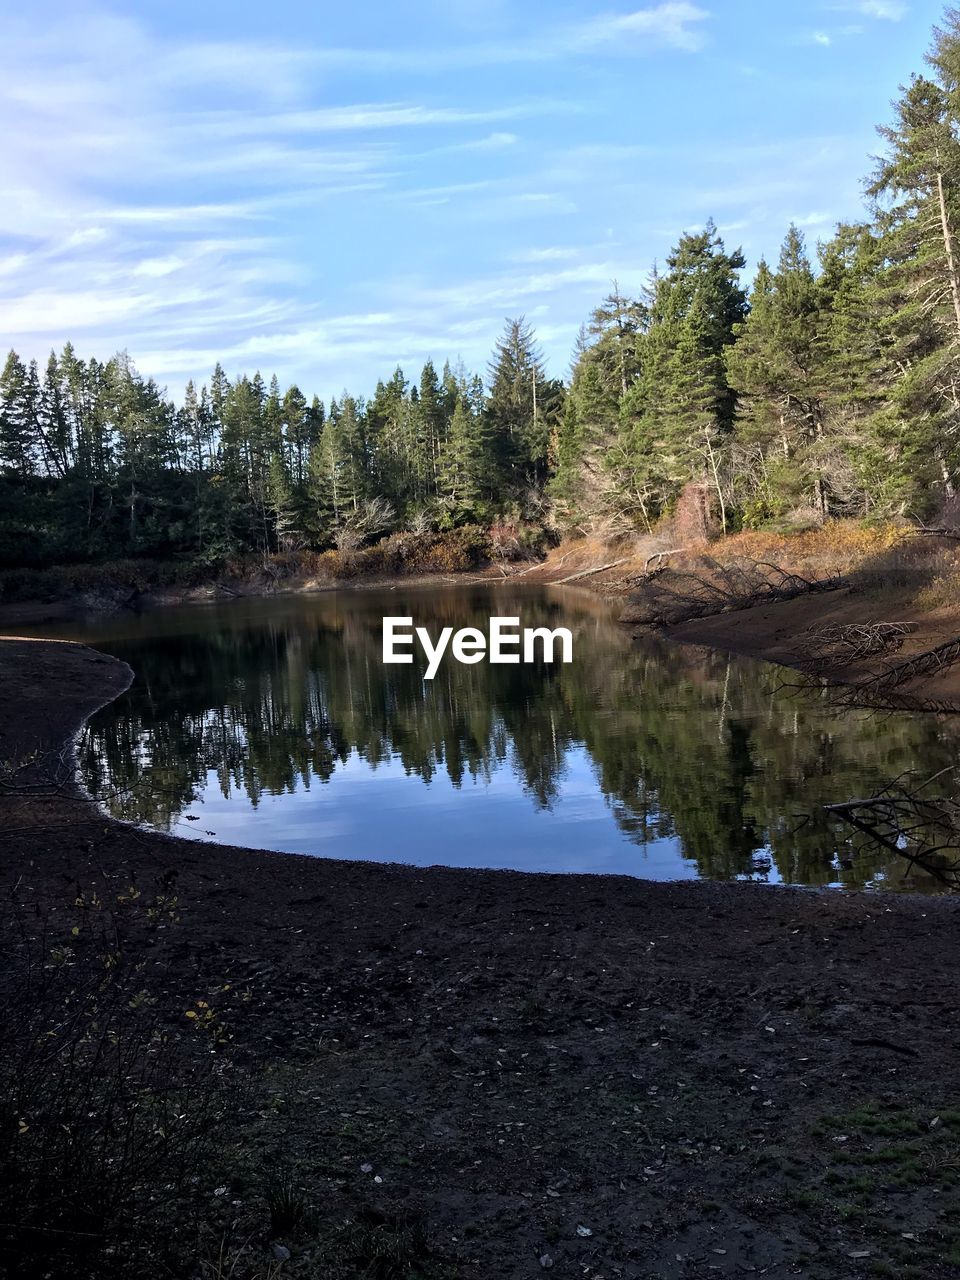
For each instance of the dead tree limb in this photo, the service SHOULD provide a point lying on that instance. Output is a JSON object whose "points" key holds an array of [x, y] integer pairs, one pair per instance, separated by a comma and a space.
{"points": [[921, 664], [841, 644], [679, 596], [923, 830], [586, 573], [659, 555]]}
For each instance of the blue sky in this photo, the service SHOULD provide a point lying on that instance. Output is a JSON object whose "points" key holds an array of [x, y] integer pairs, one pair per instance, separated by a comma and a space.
{"points": [[327, 190]]}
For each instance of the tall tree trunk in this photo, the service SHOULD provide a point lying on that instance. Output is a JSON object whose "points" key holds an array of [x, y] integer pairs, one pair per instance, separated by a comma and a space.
{"points": [[711, 455], [948, 248]]}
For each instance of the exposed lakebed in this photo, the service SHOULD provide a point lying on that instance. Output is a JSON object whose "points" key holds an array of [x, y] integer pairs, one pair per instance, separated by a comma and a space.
{"points": [[273, 723]]}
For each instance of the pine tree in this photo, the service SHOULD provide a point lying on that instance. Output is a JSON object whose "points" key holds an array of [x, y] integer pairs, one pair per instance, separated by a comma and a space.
{"points": [[779, 369], [56, 425], [18, 418], [616, 326], [431, 429], [588, 487], [678, 415], [297, 431], [519, 429], [917, 189], [463, 464]]}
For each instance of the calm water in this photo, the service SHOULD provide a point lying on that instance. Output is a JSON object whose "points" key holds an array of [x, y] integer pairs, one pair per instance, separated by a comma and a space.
{"points": [[275, 724]]}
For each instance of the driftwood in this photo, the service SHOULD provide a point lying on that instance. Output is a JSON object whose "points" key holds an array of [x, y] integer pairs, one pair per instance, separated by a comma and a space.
{"points": [[921, 664], [659, 555], [675, 596], [841, 644], [586, 573], [923, 830], [858, 697]]}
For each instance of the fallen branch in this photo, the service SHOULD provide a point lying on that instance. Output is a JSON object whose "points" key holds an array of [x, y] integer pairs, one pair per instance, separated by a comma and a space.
{"points": [[923, 830], [938, 659], [537, 564], [840, 644], [586, 573], [658, 555], [718, 588], [924, 532]]}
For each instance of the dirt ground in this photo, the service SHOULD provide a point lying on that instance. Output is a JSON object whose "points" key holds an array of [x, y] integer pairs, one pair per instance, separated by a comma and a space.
{"points": [[782, 632], [592, 1076]]}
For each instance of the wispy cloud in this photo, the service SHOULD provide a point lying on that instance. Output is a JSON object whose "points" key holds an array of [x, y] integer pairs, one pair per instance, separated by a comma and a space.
{"points": [[361, 117], [330, 211], [552, 253], [492, 142], [672, 24], [878, 10], [152, 189], [677, 24], [885, 10]]}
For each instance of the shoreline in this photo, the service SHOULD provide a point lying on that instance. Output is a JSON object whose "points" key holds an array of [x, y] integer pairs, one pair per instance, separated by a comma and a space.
{"points": [[780, 633], [783, 633]]}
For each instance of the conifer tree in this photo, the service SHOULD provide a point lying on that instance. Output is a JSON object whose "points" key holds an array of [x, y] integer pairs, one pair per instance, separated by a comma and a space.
{"points": [[916, 187], [18, 412], [518, 427], [778, 368]]}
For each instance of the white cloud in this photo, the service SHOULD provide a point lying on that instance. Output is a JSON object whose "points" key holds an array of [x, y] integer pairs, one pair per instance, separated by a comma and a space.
{"points": [[358, 117], [158, 196], [814, 219], [821, 37], [492, 142], [549, 254], [676, 24], [444, 193], [885, 10]]}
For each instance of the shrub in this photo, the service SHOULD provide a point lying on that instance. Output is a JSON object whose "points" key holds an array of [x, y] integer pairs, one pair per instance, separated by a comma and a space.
{"points": [[512, 540], [456, 551], [123, 577]]}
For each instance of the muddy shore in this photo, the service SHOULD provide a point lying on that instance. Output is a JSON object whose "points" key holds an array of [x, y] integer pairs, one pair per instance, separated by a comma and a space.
{"points": [[702, 1076], [781, 633]]}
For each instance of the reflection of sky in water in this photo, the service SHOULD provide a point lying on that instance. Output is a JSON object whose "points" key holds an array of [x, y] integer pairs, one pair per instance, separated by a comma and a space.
{"points": [[373, 813], [645, 759]]}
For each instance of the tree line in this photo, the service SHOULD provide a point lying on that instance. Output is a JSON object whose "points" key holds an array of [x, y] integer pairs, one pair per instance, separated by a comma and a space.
{"points": [[828, 387], [98, 462]]}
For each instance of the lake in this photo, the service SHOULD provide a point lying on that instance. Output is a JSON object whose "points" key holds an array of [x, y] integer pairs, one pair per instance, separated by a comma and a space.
{"points": [[273, 723]]}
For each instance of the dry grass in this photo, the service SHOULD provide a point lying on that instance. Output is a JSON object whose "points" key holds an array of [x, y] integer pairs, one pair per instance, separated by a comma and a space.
{"points": [[842, 546], [942, 592], [889, 563]]}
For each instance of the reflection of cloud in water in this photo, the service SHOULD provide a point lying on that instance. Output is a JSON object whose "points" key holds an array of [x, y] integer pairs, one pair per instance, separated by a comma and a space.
{"points": [[378, 814], [647, 759]]}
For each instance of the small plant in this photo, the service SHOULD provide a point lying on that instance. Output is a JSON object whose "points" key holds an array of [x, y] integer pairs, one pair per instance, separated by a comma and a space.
{"points": [[384, 1247], [287, 1204]]}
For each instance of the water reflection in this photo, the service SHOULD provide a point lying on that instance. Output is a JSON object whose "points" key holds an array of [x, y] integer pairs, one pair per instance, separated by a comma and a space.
{"points": [[276, 724]]}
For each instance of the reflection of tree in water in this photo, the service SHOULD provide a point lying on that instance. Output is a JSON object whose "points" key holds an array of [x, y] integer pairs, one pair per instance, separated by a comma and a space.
{"points": [[700, 747]]}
